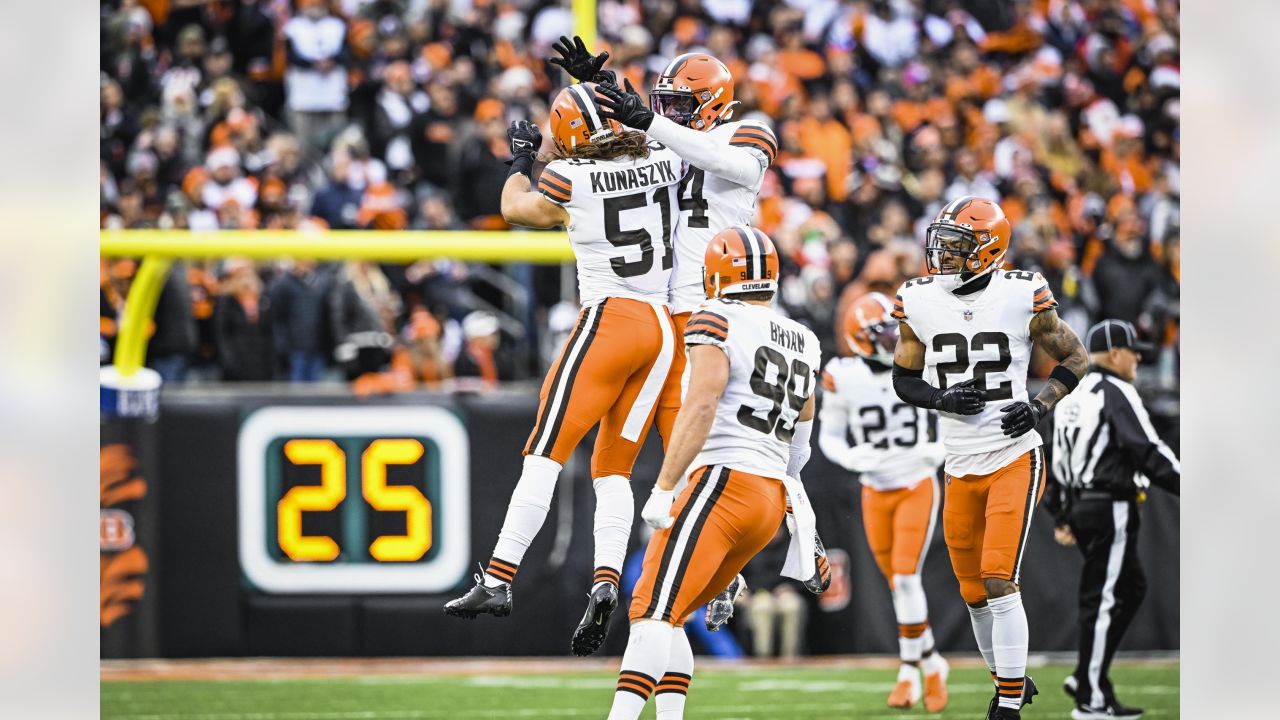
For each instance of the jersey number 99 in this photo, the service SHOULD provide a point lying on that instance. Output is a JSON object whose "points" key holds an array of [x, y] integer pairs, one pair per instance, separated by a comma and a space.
{"points": [[782, 389]]}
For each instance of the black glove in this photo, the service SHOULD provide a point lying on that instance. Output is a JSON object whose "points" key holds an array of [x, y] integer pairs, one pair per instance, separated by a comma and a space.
{"points": [[1021, 417], [525, 138], [580, 64], [963, 398], [625, 107]]}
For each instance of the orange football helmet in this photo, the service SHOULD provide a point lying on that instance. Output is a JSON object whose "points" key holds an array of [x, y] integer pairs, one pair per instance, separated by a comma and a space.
{"points": [[869, 328], [739, 259], [969, 237], [694, 90], [576, 120]]}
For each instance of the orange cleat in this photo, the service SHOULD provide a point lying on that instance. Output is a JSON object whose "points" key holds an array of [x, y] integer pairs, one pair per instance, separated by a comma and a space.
{"points": [[904, 695], [935, 689]]}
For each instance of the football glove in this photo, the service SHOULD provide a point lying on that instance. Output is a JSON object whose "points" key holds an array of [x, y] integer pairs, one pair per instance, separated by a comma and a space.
{"points": [[625, 107], [525, 138], [1021, 417], [963, 398], [657, 511], [580, 64]]}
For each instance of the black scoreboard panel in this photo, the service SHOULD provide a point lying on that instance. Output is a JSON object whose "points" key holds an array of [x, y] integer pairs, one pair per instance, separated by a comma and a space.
{"points": [[342, 499]]}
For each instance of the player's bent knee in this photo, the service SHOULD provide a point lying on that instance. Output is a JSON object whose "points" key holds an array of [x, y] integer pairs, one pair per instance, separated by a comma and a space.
{"points": [[999, 587], [973, 592]]}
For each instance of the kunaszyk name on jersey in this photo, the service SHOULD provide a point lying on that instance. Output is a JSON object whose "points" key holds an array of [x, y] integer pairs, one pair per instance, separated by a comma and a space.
{"points": [[789, 339], [607, 181]]}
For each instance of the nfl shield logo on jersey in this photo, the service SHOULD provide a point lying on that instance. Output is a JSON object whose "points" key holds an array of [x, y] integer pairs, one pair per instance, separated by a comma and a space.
{"points": [[968, 314]]}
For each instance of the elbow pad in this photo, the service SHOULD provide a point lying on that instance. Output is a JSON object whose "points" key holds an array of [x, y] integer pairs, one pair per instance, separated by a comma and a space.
{"points": [[799, 452], [911, 387]]}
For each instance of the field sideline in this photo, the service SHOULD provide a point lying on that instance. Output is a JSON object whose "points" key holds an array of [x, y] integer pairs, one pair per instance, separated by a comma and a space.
{"points": [[466, 688]]}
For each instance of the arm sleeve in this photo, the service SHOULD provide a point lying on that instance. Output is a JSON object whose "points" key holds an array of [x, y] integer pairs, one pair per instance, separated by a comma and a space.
{"points": [[734, 163], [800, 450], [1134, 433], [912, 388]]}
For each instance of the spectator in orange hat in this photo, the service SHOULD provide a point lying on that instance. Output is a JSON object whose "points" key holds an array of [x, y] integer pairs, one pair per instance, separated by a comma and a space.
{"points": [[242, 327]]}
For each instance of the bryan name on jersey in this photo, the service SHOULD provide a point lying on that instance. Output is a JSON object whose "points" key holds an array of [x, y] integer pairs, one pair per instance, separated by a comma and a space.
{"points": [[773, 364], [621, 221], [985, 336]]}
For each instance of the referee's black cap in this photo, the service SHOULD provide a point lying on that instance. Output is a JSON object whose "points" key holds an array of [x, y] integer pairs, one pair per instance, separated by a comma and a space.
{"points": [[1110, 334]]}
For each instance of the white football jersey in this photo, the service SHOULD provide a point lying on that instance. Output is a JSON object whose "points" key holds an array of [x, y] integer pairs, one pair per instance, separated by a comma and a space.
{"points": [[894, 444], [773, 369], [709, 204], [622, 218], [985, 336]]}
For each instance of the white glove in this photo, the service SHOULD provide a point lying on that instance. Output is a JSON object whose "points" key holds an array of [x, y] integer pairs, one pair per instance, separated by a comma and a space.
{"points": [[657, 510]]}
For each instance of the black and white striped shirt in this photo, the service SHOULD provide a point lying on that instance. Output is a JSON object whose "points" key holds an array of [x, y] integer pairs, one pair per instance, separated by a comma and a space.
{"points": [[1103, 440]]}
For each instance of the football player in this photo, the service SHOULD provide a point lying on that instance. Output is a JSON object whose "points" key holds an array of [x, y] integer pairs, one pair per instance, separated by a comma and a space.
{"points": [[896, 454], [692, 109], [967, 330], [744, 426], [615, 191]]}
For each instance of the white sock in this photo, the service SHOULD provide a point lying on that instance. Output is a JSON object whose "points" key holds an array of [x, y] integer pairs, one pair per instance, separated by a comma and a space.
{"points": [[981, 619], [648, 650], [674, 684], [913, 616], [615, 512], [525, 514], [1009, 639]]}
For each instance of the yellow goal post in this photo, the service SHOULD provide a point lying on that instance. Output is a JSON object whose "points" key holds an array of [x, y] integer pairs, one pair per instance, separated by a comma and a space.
{"points": [[159, 248]]}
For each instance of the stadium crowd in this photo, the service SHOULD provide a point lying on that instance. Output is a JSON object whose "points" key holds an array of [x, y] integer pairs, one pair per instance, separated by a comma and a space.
{"points": [[391, 114]]}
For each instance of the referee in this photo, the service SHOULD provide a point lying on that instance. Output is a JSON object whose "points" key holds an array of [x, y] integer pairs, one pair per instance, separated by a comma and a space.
{"points": [[1105, 453]]}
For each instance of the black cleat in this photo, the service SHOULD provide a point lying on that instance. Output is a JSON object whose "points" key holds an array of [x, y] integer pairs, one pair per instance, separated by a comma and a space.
{"points": [[821, 579], [591, 632], [1004, 713], [1108, 712], [720, 609], [495, 601], [1029, 690]]}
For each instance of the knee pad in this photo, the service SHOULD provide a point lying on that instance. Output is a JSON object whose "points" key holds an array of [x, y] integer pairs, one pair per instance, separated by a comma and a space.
{"points": [[613, 494], [537, 483]]}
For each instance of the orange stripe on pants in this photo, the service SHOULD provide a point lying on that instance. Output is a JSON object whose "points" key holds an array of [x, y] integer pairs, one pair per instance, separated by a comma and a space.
{"points": [[723, 518]]}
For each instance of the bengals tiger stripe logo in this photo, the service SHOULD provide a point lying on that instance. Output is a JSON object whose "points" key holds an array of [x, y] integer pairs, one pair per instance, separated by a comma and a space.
{"points": [[122, 563]]}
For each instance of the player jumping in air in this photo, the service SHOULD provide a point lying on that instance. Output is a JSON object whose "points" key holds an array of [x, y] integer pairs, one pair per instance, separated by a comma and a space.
{"points": [[744, 427], [615, 191], [692, 114], [971, 326], [897, 456]]}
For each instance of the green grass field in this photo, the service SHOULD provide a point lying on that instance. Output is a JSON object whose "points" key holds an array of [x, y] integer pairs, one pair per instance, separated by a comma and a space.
{"points": [[724, 693]]}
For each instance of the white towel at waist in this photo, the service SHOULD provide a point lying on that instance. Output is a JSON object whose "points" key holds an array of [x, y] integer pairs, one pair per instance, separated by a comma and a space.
{"points": [[800, 564]]}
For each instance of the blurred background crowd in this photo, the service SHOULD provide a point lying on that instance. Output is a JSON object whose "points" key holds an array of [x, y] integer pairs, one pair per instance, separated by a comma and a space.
{"points": [[391, 114]]}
